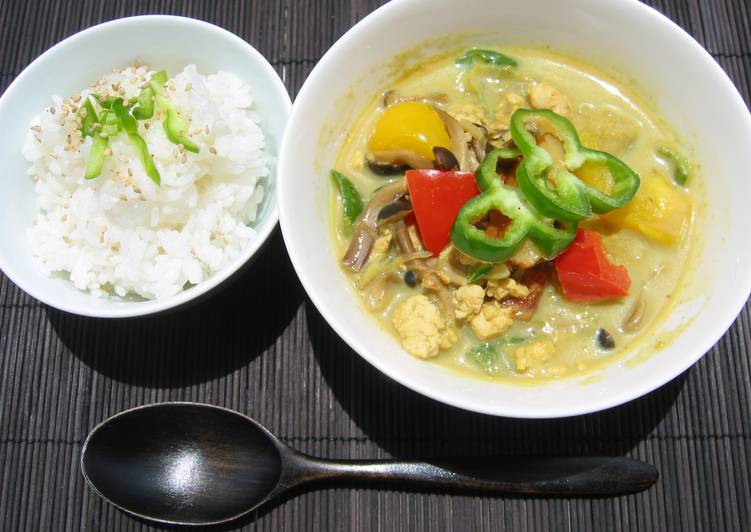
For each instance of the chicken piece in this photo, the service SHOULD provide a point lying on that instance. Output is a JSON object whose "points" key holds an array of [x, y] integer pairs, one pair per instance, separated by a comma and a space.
{"points": [[509, 103], [468, 300], [491, 321], [467, 112], [533, 356], [419, 323], [448, 338], [499, 271], [506, 287], [543, 95]]}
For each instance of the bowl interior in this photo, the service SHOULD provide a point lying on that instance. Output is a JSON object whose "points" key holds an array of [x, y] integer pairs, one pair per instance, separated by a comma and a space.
{"points": [[161, 42], [624, 38]]}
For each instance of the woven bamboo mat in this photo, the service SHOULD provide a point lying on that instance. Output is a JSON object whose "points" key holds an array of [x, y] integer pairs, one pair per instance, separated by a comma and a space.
{"points": [[60, 374]]}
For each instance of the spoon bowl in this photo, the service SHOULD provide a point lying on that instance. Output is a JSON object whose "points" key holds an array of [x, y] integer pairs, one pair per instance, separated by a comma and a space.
{"points": [[182, 463], [194, 464]]}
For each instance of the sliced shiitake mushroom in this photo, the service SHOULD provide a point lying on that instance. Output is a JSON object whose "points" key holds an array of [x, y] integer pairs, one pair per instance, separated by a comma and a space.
{"points": [[396, 159], [396, 210], [385, 169], [445, 159], [365, 231]]}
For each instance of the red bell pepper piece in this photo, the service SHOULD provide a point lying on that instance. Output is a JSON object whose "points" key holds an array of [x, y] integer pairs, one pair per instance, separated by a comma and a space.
{"points": [[437, 196], [586, 273]]}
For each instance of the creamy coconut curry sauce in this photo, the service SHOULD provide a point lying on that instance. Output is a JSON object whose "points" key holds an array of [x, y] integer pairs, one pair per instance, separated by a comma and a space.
{"points": [[513, 214]]}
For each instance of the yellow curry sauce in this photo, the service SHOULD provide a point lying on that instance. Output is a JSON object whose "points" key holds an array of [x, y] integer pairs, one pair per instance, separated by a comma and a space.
{"points": [[651, 236]]}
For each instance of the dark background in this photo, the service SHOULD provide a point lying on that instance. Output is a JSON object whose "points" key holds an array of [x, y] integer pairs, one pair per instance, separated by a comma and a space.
{"points": [[61, 374]]}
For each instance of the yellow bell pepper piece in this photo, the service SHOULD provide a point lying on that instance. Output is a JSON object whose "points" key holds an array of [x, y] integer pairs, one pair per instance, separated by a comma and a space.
{"points": [[410, 126], [597, 176], [659, 210]]}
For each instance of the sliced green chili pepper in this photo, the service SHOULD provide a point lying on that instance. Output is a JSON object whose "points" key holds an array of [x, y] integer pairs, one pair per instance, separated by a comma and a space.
{"points": [[478, 272], [351, 201], [110, 125], [129, 124], [88, 118], [96, 157], [144, 108], [570, 198], [489, 57], [175, 126], [160, 77], [524, 221], [681, 166]]}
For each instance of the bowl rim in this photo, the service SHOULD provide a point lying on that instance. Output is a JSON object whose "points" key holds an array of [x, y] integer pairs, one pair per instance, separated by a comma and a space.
{"points": [[265, 225], [318, 296]]}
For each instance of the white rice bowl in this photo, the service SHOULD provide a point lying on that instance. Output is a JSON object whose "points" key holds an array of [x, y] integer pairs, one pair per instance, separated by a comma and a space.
{"points": [[123, 235]]}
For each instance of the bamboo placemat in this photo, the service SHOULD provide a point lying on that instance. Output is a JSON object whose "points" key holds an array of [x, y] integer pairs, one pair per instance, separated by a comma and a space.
{"points": [[283, 365]]}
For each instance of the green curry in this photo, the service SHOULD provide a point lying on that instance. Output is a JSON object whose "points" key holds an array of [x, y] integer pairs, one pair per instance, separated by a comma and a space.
{"points": [[513, 214]]}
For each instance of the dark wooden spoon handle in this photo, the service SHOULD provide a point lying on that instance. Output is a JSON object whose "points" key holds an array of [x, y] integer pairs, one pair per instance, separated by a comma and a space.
{"points": [[575, 476]]}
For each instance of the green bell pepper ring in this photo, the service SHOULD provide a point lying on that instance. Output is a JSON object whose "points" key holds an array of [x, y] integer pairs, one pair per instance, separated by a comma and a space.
{"points": [[489, 57], [525, 222], [130, 126], [571, 198], [175, 126]]}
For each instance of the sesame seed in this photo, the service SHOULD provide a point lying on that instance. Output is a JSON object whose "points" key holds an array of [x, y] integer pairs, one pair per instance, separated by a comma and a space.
{"points": [[188, 87], [53, 110], [66, 239], [116, 86], [108, 151], [76, 98], [36, 137], [136, 63], [146, 125], [206, 129], [130, 172], [66, 205], [35, 178], [36, 128], [212, 149], [181, 148], [69, 139]]}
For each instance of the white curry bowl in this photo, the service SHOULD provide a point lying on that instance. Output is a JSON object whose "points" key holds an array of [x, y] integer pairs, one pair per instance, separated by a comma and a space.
{"points": [[160, 41], [624, 38]]}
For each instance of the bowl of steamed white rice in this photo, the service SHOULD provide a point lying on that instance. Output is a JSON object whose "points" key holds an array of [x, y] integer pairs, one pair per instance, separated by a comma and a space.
{"points": [[139, 161]]}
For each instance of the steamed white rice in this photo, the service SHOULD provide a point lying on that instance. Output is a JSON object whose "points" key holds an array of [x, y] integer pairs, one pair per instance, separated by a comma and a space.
{"points": [[121, 233]]}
